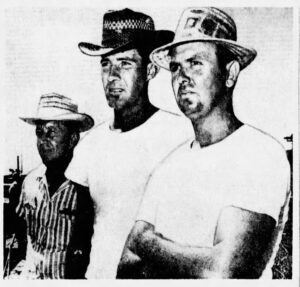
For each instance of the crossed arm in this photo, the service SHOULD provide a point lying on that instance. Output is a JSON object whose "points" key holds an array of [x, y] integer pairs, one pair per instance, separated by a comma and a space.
{"points": [[239, 249]]}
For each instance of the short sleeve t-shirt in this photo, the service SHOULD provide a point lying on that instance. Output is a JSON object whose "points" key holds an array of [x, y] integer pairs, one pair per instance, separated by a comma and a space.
{"points": [[116, 165], [187, 192]]}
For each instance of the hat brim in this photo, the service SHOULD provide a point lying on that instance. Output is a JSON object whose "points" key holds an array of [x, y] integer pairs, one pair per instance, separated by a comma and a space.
{"points": [[96, 51], [148, 39], [84, 121], [244, 55]]}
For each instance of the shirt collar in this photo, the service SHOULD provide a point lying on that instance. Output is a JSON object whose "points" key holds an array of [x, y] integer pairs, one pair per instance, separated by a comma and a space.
{"points": [[41, 171], [194, 144], [111, 126], [41, 177]]}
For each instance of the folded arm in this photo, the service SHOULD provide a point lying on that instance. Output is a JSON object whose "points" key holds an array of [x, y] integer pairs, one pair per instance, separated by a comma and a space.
{"points": [[241, 239]]}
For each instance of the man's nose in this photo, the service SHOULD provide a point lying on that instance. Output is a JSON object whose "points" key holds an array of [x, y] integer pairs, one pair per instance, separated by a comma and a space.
{"points": [[184, 76], [42, 139], [44, 134], [114, 73]]}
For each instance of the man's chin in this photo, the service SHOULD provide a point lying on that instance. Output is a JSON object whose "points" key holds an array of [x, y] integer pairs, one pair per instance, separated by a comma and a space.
{"points": [[188, 112], [51, 161], [114, 105], [117, 106], [48, 162]]}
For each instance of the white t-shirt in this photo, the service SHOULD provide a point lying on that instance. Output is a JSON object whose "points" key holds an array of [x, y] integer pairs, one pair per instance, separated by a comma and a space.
{"points": [[186, 193], [116, 167]]}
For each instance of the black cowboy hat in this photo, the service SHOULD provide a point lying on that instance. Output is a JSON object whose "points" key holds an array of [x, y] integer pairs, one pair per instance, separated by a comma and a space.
{"points": [[126, 29]]}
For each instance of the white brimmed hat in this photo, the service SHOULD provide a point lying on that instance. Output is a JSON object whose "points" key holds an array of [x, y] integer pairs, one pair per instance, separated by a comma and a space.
{"points": [[55, 107], [206, 24]]}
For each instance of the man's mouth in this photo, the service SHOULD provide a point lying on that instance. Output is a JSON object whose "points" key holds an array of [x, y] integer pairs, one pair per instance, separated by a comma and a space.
{"points": [[185, 98], [46, 149], [184, 91], [186, 102], [115, 91]]}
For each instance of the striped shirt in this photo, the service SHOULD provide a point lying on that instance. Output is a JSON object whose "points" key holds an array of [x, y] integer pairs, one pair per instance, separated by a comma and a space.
{"points": [[50, 221]]}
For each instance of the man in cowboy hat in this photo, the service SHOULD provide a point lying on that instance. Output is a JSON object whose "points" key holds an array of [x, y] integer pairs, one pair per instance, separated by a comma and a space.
{"points": [[57, 211], [215, 207], [116, 158]]}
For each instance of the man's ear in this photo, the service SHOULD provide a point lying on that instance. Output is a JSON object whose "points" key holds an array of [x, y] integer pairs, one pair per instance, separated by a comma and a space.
{"points": [[74, 139], [233, 70], [152, 71]]}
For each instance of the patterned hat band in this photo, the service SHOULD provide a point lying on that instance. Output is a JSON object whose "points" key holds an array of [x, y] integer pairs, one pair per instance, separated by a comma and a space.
{"points": [[132, 24], [117, 31], [54, 103]]}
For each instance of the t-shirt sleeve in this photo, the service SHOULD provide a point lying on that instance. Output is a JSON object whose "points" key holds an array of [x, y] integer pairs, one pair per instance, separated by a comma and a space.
{"points": [[264, 186], [151, 199], [77, 170]]}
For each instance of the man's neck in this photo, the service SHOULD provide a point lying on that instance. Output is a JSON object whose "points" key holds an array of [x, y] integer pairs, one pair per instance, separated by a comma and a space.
{"points": [[55, 174], [130, 118], [215, 127]]}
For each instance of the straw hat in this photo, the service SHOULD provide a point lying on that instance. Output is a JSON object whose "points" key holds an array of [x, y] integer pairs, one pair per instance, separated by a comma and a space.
{"points": [[205, 25], [55, 107]]}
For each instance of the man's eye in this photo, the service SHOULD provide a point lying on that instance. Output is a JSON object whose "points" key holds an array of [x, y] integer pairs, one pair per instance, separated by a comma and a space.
{"points": [[126, 64], [173, 67], [38, 132], [104, 64], [196, 63]]}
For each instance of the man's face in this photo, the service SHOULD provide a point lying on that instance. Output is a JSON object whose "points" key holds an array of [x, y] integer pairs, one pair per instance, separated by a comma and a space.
{"points": [[123, 78], [197, 81], [53, 141]]}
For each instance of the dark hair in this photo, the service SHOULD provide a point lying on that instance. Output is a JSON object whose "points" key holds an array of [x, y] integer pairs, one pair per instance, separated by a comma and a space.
{"points": [[144, 53]]}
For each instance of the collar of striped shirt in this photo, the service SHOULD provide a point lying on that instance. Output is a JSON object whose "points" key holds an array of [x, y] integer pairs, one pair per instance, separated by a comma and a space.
{"points": [[42, 181]]}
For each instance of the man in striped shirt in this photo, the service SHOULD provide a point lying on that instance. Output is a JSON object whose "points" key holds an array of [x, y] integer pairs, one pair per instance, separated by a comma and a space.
{"points": [[57, 211]]}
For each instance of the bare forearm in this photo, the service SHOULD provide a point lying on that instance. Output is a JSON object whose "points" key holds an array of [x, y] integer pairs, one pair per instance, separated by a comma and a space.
{"points": [[175, 259], [239, 250], [130, 266]]}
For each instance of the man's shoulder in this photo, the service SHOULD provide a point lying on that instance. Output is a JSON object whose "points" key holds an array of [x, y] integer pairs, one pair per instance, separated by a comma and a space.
{"points": [[95, 133], [262, 147], [86, 150], [35, 173], [171, 121], [262, 139], [31, 180]]}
